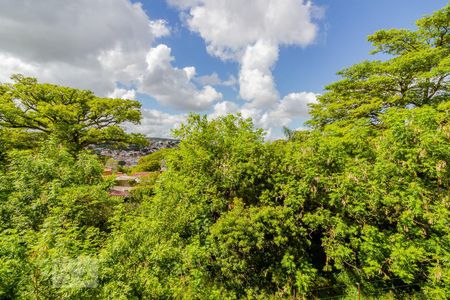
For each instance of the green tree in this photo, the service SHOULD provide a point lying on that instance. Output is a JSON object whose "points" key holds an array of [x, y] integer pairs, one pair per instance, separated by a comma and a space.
{"points": [[54, 209], [416, 74], [152, 162], [216, 162], [76, 118], [362, 197], [378, 164]]}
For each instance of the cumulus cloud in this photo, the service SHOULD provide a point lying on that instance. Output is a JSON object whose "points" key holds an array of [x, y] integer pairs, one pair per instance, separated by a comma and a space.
{"points": [[214, 80], [96, 44], [290, 107], [11, 65], [159, 28], [289, 111], [156, 123], [123, 94], [87, 43], [251, 33], [172, 86], [229, 26], [255, 78], [224, 108]]}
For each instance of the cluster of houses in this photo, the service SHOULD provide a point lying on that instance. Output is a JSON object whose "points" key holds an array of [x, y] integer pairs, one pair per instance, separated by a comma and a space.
{"points": [[126, 158], [129, 157]]}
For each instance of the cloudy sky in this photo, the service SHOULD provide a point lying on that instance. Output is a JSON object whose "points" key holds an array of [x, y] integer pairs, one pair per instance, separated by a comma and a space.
{"points": [[264, 58]]}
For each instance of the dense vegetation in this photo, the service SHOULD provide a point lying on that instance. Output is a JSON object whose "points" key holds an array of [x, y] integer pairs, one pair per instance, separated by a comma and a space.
{"points": [[152, 162], [33, 112], [362, 197]]}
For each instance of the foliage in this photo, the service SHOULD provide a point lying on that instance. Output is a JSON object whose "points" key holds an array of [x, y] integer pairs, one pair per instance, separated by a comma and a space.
{"points": [[416, 75], [236, 217], [152, 162], [57, 208], [145, 188], [362, 197], [76, 118]]}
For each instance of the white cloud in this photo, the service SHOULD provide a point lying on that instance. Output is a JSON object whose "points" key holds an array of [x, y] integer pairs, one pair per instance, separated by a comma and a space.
{"points": [[123, 94], [184, 4], [214, 80], [292, 106], [156, 123], [229, 26], [231, 81], [172, 86], [10, 65], [255, 78], [284, 112], [88, 44], [159, 28], [224, 108], [251, 34], [52, 30], [94, 44], [190, 72]]}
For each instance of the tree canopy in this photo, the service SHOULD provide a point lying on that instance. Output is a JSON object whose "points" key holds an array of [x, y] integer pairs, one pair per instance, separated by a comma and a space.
{"points": [[76, 118], [360, 199], [416, 74], [152, 162]]}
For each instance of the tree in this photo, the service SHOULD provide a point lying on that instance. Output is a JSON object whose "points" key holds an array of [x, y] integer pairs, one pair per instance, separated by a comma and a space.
{"points": [[216, 162], [152, 162], [377, 166], [416, 74], [76, 118], [362, 197], [54, 209]]}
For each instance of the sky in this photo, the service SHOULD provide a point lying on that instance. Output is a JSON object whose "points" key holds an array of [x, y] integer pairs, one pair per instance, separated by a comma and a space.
{"points": [[266, 59]]}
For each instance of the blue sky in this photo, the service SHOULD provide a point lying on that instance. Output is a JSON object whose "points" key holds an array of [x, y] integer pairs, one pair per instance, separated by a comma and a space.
{"points": [[342, 40], [268, 60]]}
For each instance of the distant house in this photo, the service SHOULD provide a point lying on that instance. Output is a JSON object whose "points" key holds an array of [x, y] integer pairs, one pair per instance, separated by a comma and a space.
{"points": [[129, 156]]}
